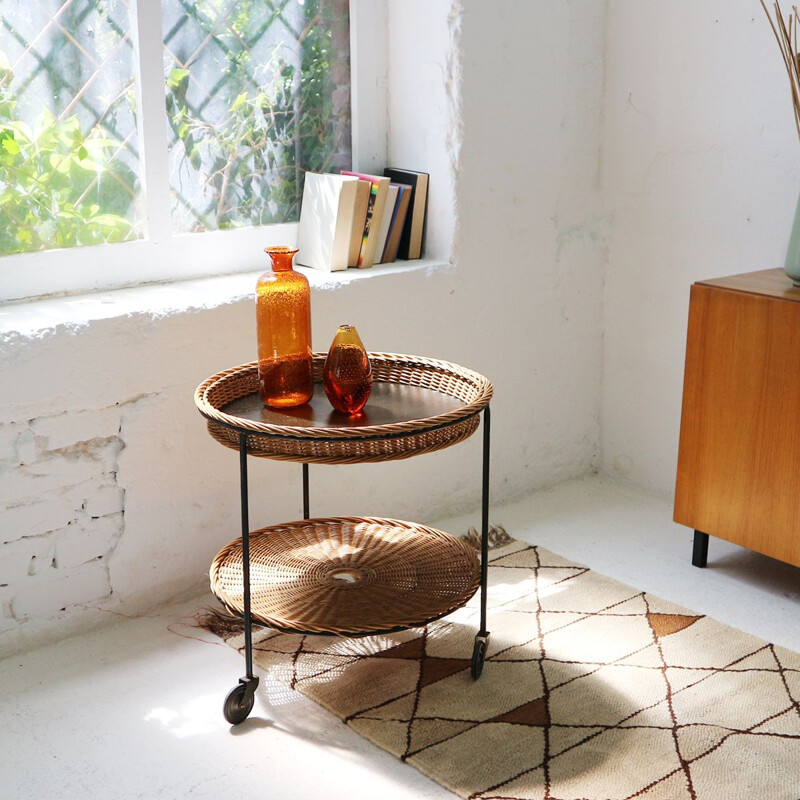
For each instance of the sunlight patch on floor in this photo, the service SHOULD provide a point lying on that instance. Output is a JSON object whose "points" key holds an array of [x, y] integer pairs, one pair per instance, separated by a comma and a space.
{"points": [[199, 716]]}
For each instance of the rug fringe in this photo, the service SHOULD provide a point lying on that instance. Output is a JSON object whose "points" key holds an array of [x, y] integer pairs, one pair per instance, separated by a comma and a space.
{"points": [[497, 537], [220, 622]]}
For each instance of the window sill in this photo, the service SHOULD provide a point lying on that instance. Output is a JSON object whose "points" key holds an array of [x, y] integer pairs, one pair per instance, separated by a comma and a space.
{"points": [[35, 318]]}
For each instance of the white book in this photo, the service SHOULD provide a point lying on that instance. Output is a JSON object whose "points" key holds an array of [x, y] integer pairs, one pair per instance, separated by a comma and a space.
{"points": [[326, 221], [386, 220]]}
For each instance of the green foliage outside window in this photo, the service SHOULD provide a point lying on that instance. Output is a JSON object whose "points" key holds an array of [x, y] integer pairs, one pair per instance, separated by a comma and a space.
{"points": [[68, 146], [57, 188], [257, 93], [63, 184]]}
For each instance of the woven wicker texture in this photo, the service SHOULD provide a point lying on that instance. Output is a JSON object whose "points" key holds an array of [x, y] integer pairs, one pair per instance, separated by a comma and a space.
{"points": [[351, 444], [348, 575]]}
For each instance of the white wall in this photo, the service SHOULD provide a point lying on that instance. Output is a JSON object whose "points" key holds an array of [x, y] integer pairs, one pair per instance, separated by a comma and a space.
{"points": [[114, 496], [529, 242], [700, 178]]}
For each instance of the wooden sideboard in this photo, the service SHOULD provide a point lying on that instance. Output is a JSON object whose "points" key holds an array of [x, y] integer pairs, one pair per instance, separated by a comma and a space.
{"points": [[739, 454]]}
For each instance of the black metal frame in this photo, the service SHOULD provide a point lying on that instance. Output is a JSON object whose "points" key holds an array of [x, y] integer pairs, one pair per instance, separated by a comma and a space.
{"points": [[700, 549], [241, 698]]}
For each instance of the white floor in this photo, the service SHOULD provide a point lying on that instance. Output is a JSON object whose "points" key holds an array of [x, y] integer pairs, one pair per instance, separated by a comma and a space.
{"points": [[133, 710]]}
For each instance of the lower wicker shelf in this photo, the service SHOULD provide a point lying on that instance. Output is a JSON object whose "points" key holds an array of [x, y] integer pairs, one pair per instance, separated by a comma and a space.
{"points": [[351, 576]]}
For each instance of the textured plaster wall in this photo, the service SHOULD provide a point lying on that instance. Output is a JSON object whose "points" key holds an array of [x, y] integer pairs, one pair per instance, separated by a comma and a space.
{"points": [[700, 176], [113, 495], [530, 242]]}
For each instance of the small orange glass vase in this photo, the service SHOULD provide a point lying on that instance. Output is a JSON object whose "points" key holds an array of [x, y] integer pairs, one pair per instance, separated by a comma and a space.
{"points": [[283, 322], [347, 376]]}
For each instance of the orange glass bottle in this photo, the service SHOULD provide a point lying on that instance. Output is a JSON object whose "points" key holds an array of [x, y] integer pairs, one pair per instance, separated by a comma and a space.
{"points": [[347, 376], [283, 320]]}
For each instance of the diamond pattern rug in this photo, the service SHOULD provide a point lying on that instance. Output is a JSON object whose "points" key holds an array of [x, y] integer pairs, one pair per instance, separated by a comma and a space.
{"points": [[591, 690]]}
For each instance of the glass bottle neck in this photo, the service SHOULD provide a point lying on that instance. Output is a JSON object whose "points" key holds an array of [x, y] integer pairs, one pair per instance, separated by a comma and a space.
{"points": [[281, 258]]}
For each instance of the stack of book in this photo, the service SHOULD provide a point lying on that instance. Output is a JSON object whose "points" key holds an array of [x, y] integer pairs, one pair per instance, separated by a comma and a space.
{"points": [[357, 220]]}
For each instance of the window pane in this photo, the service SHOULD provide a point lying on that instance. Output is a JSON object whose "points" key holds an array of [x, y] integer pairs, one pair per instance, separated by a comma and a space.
{"points": [[68, 146], [258, 91]]}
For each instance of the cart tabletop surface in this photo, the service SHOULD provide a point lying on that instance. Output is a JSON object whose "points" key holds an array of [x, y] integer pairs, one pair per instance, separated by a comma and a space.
{"points": [[388, 404]]}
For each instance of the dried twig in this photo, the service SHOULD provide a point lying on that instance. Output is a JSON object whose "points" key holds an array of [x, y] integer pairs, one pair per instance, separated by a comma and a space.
{"points": [[786, 36]]}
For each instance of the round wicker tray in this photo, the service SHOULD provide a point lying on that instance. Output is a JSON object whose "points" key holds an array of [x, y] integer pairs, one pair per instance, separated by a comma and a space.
{"points": [[352, 576], [417, 405]]}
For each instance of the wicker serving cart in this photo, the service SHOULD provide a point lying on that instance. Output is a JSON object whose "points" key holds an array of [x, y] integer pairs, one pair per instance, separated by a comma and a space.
{"points": [[349, 576]]}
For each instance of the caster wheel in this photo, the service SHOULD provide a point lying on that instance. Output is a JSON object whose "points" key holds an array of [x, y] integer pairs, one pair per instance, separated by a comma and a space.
{"points": [[478, 656], [238, 704]]}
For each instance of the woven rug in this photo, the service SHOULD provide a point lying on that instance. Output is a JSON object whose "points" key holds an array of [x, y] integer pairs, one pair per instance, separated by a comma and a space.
{"points": [[591, 690]]}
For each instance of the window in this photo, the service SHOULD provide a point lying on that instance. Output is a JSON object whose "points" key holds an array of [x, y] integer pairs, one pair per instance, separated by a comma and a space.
{"points": [[256, 93], [171, 131], [69, 151]]}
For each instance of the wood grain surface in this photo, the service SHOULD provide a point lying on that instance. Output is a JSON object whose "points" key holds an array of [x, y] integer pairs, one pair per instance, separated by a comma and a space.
{"points": [[739, 454], [768, 282]]}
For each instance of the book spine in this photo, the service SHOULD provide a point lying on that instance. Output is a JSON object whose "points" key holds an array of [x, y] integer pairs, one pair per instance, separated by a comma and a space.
{"points": [[373, 196], [387, 248]]}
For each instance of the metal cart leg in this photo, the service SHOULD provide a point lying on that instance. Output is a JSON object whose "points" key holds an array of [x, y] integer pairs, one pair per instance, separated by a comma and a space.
{"points": [[240, 700], [305, 492], [482, 637]]}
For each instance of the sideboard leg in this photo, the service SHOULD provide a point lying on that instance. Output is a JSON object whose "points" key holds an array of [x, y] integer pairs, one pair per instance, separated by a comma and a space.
{"points": [[306, 514], [482, 637], [700, 550]]}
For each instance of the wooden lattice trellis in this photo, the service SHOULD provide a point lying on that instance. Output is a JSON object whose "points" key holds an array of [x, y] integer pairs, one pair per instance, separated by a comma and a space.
{"points": [[229, 49], [75, 58]]}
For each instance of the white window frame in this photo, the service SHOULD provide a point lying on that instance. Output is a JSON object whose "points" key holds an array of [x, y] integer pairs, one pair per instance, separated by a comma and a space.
{"points": [[164, 256]]}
